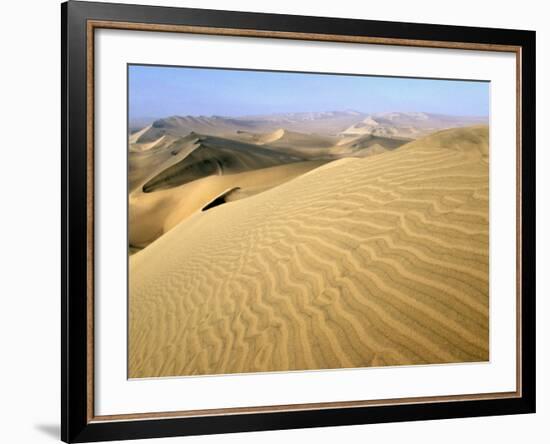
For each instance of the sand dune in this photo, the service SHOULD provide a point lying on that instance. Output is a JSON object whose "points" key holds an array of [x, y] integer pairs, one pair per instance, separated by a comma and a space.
{"points": [[303, 145], [177, 160], [179, 176], [258, 138], [215, 156], [143, 164], [316, 122], [140, 147], [302, 136], [405, 124], [135, 136], [153, 214], [370, 144], [252, 162], [412, 125], [360, 262]]}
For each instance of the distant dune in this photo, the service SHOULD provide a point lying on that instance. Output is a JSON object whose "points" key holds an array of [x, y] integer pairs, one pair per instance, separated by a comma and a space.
{"points": [[410, 125], [319, 123], [372, 143], [396, 124], [358, 262], [270, 137]]}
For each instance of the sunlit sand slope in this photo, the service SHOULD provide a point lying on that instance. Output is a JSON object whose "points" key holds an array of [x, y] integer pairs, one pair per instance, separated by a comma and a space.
{"points": [[364, 262], [151, 215]]}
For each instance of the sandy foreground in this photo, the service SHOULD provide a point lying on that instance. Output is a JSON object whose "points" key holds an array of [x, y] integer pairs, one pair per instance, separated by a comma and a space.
{"points": [[358, 262]]}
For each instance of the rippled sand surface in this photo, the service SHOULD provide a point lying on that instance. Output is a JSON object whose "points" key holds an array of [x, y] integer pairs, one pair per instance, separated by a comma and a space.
{"points": [[359, 262]]}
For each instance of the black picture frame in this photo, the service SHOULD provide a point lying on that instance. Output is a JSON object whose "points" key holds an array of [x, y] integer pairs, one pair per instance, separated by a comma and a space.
{"points": [[77, 425]]}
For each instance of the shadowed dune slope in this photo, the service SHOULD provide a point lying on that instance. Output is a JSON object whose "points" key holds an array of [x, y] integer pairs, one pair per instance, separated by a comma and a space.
{"points": [[143, 164], [176, 161], [369, 144], [216, 156], [364, 262]]}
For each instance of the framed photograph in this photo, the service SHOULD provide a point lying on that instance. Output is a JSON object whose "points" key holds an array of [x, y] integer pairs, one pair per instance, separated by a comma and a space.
{"points": [[275, 221]]}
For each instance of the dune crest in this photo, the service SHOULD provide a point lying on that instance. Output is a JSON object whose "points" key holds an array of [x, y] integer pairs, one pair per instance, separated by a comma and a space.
{"points": [[135, 136], [272, 137]]}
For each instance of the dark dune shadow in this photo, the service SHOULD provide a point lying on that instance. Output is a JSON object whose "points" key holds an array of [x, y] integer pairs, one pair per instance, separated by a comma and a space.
{"points": [[221, 199], [51, 430]]}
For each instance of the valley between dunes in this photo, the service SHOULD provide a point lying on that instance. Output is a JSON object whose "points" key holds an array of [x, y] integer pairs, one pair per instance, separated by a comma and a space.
{"points": [[345, 262]]}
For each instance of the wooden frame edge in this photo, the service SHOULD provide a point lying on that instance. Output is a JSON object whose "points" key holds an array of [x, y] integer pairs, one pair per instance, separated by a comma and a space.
{"points": [[92, 25], [283, 408], [236, 32], [90, 119]]}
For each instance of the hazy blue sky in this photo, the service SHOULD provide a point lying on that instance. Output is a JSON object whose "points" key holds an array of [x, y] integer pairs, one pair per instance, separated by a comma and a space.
{"points": [[156, 91]]}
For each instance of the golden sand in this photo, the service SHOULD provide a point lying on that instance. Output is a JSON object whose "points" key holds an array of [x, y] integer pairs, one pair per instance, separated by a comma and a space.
{"points": [[362, 262]]}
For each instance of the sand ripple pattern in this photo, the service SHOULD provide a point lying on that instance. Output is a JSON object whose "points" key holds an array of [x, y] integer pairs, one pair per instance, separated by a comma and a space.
{"points": [[361, 262]]}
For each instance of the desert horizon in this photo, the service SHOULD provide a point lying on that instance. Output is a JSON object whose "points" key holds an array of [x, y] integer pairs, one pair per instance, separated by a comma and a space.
{"points": [[136, 124], [284, 241]]}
